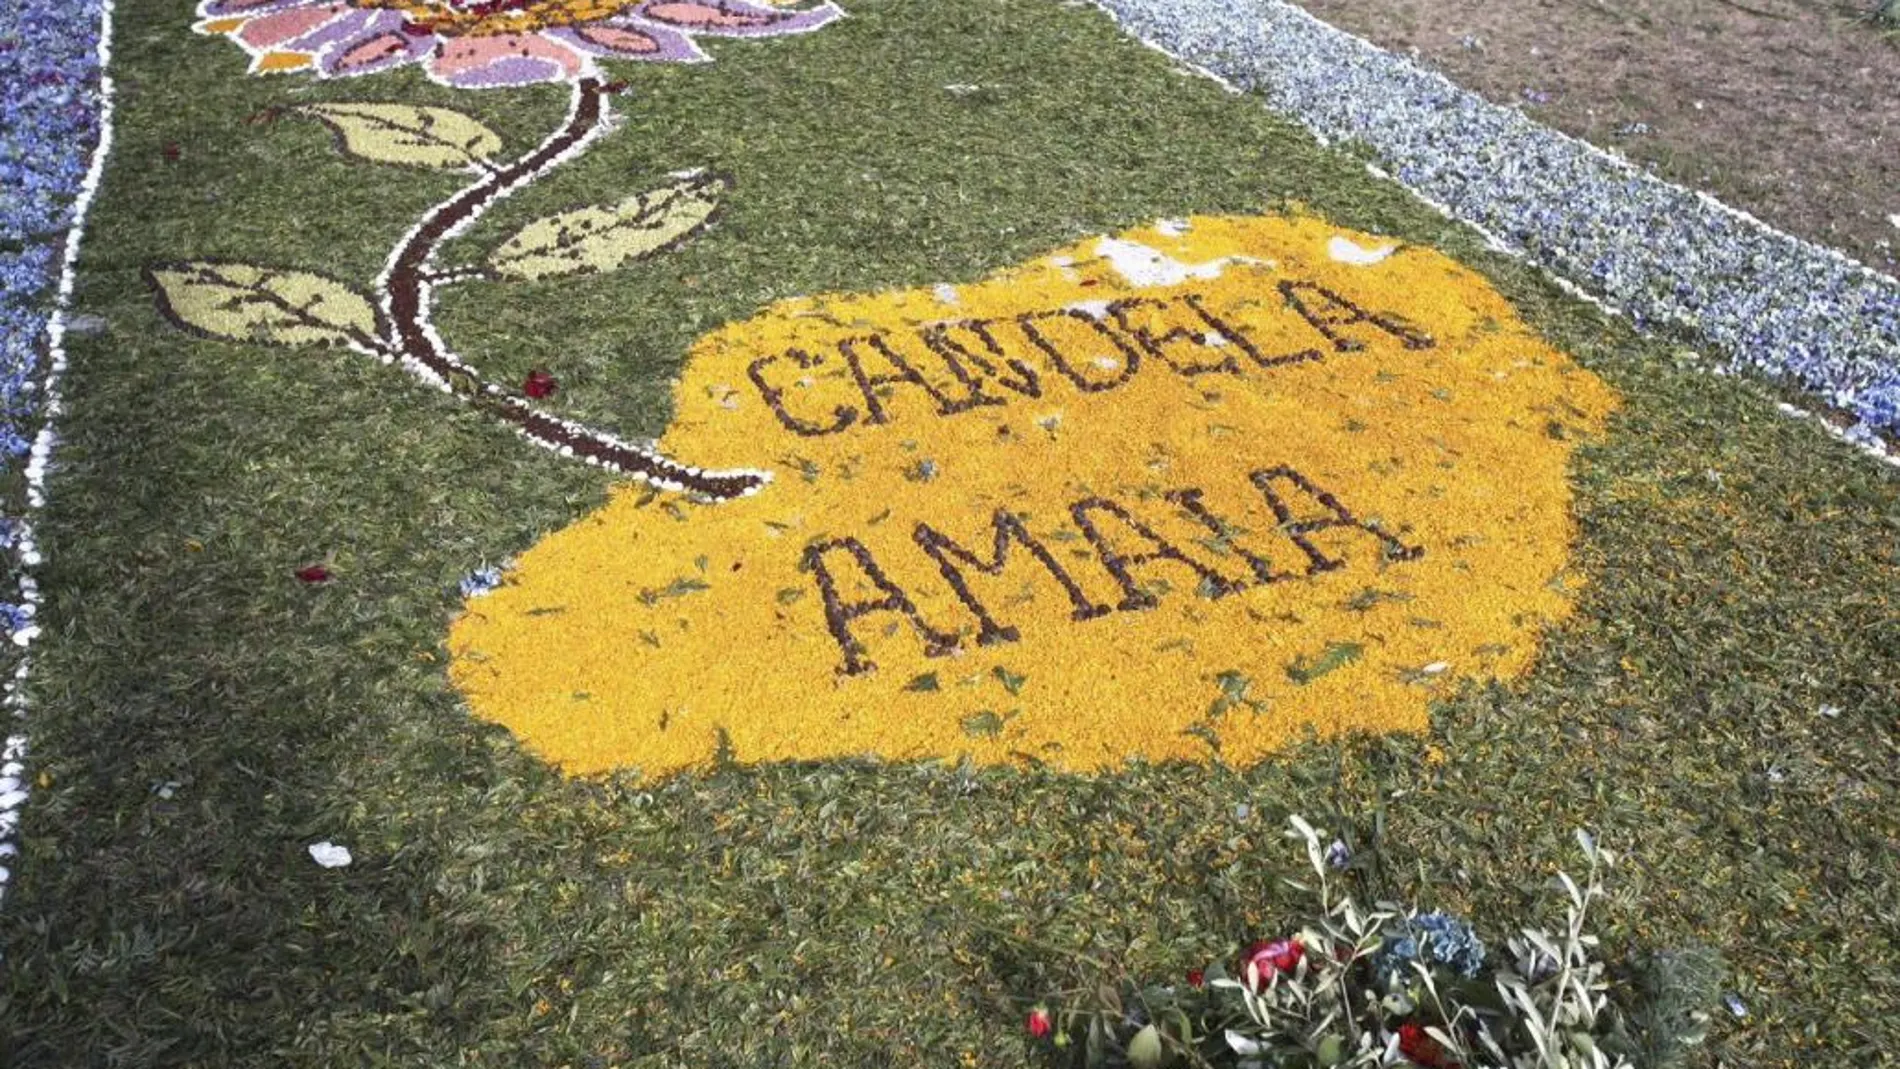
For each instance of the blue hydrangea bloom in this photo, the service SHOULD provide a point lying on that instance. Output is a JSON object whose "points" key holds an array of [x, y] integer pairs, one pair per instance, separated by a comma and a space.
{"points": [[1393, 960], [49, 122], [1434, 939], [1451, 943]]}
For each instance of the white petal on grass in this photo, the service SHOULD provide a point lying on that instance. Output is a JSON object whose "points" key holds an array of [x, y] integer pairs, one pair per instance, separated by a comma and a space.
{"points": [[330, 855]]}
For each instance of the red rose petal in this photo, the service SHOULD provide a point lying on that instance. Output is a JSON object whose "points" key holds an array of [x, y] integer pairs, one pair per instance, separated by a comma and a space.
{"points": [[538, 384], [1422, 1049], [315, 573], [1270, 958]]}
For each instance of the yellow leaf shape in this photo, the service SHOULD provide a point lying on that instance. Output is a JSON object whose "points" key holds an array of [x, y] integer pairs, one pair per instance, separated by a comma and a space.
{"points": [[608, 237], [438, 138], [282, 62], [263, 305], [1124, 501]]}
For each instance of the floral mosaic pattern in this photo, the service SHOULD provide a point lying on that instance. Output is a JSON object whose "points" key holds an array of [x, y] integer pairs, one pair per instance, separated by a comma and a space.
{"points": [[483, 44], [487, 44]]}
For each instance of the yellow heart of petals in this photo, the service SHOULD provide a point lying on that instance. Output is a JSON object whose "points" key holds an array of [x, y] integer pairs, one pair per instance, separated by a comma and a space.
{"points": [[1186, 491]]}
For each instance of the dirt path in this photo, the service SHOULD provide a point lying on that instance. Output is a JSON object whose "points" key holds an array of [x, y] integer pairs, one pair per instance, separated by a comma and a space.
{"points": [[1788, 109]]}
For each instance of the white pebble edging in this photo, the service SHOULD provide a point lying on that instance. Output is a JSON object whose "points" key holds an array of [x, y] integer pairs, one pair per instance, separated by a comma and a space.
{"points": [[1670, 257], [13, 754]]}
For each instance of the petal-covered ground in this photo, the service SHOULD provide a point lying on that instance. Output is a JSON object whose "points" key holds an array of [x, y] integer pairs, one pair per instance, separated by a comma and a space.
{"points": [[345, 341]]}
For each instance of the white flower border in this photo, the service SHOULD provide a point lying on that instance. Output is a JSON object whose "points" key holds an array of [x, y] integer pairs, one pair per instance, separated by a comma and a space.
{"points": [[13, 778], [1222, 40]]}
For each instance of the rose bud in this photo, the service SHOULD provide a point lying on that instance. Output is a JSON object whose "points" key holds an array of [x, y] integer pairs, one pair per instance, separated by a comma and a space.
{"points": [[1268, 958]]}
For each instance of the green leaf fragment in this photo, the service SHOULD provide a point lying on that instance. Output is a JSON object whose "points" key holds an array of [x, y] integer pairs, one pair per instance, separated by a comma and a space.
{"points": [[1204, 733], [1010, 680], [1336, 655], [986, 724], [680, 587], [1369, 597], [1233, 694], [1145, 1050]]}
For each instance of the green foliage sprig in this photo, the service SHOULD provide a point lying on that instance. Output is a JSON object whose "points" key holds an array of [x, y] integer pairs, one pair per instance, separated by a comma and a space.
{"points": [[1360, 987]]}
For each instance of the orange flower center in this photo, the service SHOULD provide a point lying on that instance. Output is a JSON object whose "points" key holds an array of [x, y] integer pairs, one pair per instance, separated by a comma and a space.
{"points": [[482, 18]]}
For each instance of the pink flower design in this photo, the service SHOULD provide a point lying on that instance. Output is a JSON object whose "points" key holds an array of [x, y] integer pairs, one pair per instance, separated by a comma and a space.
{"points": [[485, 44]]}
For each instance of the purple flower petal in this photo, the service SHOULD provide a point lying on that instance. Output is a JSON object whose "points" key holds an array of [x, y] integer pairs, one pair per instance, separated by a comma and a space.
{"points": [[504, 60], [515, 70], [215, 9], [355, 26], [380, 45], [734, 18], [631, 40]]}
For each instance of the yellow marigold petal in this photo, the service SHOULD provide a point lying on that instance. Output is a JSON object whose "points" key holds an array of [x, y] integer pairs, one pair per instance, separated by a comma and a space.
{"points": [[282, 62], [231, 25]]}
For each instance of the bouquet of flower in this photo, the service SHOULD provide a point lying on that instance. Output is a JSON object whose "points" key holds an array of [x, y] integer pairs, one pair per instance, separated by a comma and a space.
{"points": [[1382, 986]]}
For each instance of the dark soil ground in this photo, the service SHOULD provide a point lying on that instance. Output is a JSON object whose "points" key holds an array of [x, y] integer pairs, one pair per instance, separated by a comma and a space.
{"points": [[1788, 109]]}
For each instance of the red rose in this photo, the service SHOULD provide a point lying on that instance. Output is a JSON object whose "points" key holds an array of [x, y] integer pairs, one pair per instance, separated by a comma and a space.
{"points": [[1040, 1024], [539, 384], [1268, 958], [1422, 1049], [315, 573], [1196, 978]]}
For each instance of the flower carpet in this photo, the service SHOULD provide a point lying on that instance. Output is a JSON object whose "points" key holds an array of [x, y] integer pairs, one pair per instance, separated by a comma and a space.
{"points": [[703, 532]]}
